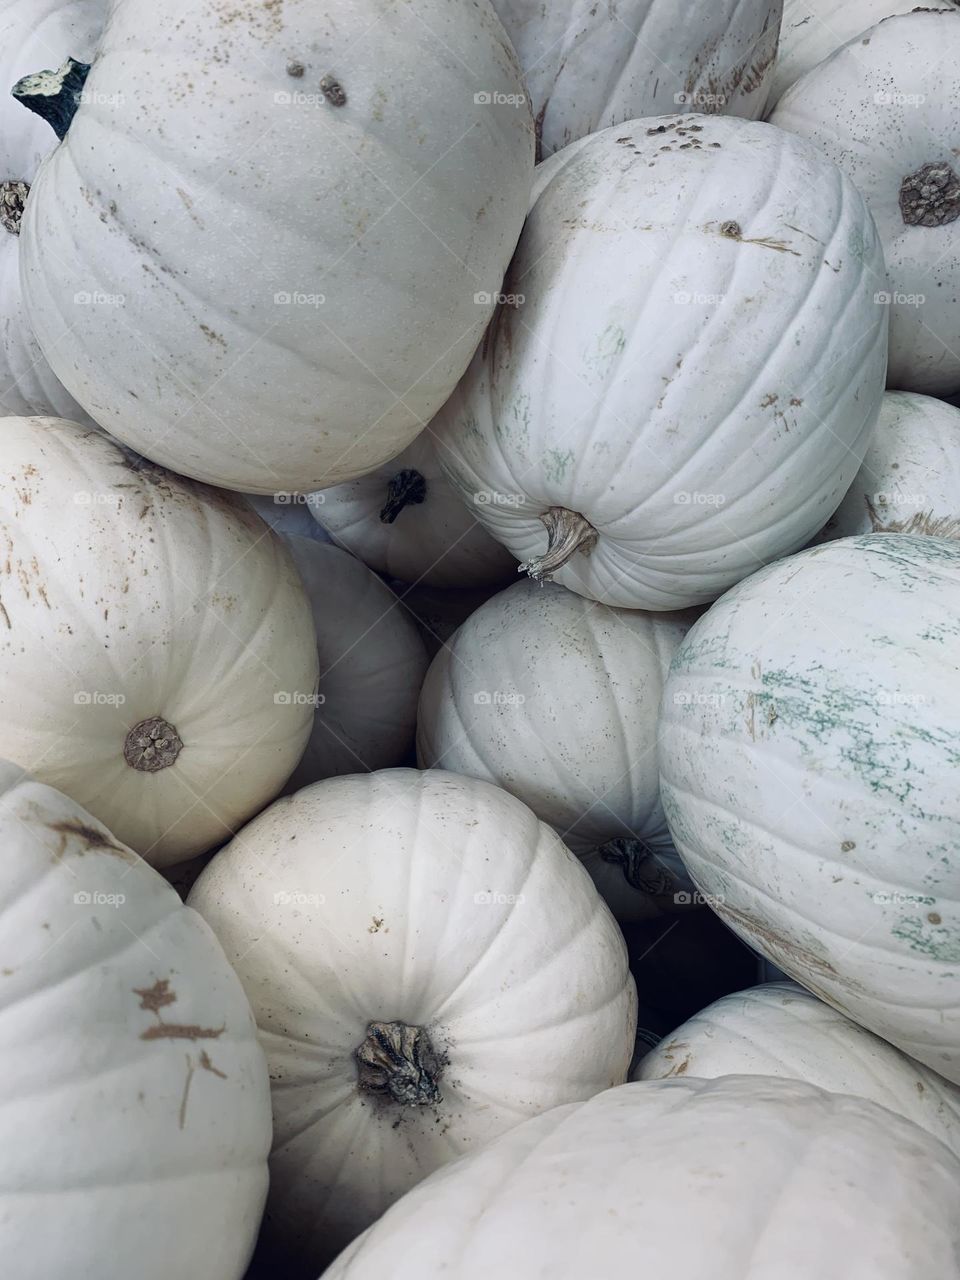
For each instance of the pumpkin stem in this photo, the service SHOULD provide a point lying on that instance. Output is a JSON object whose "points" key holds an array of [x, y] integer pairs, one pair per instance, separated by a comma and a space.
{"points": [[641, 867], [151, 745], [398, 1061], [13, 196], [931, 196], [407, 488], [567, 533], [54, 95]]}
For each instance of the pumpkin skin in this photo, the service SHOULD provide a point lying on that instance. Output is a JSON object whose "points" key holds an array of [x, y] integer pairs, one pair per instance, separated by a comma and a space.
{"points": [[32, 30], [781, 1030], [134, 600], [878, 78], [910, 478], [128, 1047], [622, 396], [555, 699], [287, 517], [406, 520], [814, 29], [455, 911], [719, 59], [808, 739], [265, 346], [372, 664], [719, 1178]]}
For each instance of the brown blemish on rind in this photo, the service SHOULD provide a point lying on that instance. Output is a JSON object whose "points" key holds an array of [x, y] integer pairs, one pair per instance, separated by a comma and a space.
{"points": [[923, 523], [157, 997], [90, 837], [790, 948]]}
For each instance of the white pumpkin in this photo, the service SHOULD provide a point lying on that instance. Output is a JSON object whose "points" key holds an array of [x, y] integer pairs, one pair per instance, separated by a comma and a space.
{"points": [[157, 655], [591, 66], [136, 1120], [428, 966], [814, 29], [809, 742], [910, 478], [555, 698], [31, 30], [735, 1179], [406, 520], [662, 412], [372, 664], [781, 1030], [305, 276], [885, 108]]}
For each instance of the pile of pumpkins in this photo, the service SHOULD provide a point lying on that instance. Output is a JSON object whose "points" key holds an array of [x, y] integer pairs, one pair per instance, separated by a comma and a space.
{"points": [[324, 830]]}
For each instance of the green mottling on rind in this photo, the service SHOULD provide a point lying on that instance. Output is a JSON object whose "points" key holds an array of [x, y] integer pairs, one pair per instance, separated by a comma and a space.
{"points": [[936, 941], [555, 464]]}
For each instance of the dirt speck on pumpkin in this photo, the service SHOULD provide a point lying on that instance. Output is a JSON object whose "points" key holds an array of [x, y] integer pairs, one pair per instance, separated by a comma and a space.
{"points": [[333, 91], [376, 924], [89, 837], [295, 69]]}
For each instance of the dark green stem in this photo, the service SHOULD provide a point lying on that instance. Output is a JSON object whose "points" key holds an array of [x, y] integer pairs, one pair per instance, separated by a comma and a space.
{"points": [[405, 489], [54, 95]]}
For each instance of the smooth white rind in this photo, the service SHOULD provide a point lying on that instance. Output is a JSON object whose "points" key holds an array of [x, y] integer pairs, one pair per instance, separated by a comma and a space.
{"points": [[300, 285], [129, 593], [125, 1152], [439, 901], [672, 373], [809, 743], [555, 698], [737, 1179], [781, 1030], [588, 67], [882, 107]]}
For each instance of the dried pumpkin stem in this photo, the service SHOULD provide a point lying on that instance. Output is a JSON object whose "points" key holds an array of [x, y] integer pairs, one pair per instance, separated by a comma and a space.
{"points": [[641, 867], [398, 1061], [54, 95], [406, 489], [13, 197], [567, 533], [931, 196], [151, 745]]}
